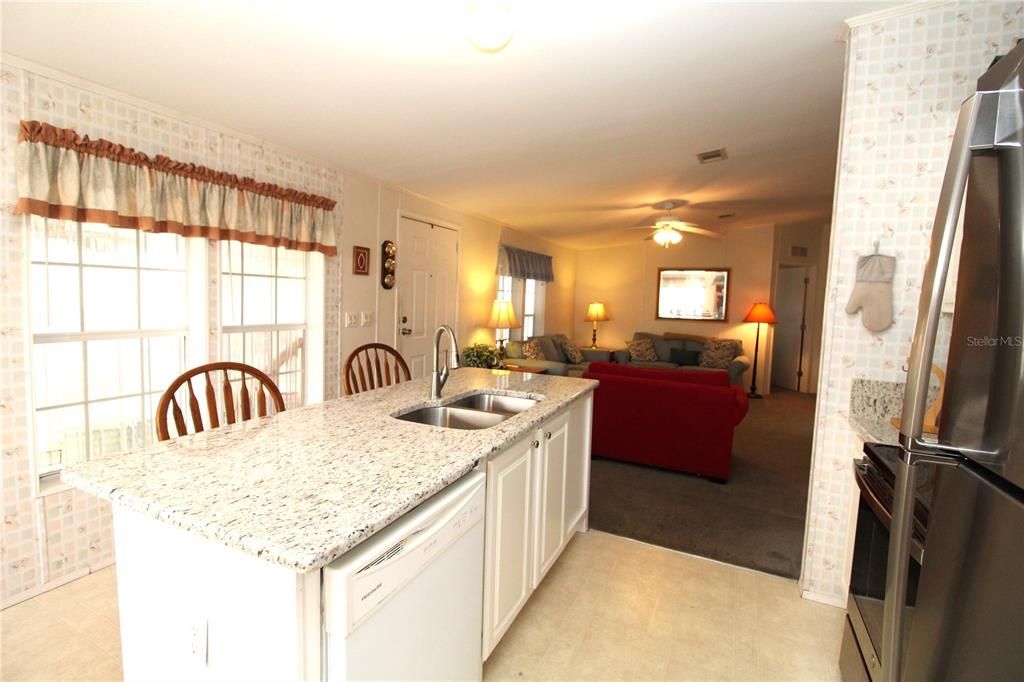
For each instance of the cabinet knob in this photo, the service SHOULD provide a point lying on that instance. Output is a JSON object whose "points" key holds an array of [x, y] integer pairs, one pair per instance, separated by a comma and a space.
{"points": [[535, 443]]}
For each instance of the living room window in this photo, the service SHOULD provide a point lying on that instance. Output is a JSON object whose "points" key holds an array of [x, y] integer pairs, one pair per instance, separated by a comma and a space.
{"points": [[527, 296]]}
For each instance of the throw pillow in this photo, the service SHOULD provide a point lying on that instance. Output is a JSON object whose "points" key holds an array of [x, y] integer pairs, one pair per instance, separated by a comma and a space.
{"points": [[514, 350], [718, 353], [686, 358], [642, 350], [572, 352], [532, 350]]}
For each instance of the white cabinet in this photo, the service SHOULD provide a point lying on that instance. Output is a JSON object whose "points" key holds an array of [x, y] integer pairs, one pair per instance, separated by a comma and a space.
{"points": [[508, 532], [550, 531], [537, 496]]}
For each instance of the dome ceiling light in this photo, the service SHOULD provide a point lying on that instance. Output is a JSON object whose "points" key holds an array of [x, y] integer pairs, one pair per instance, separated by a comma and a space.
{"points": [[489, 24]]}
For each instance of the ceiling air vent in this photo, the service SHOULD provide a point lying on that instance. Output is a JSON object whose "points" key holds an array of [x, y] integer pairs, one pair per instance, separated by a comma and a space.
{"points": [[712, 155], [798, 251]]}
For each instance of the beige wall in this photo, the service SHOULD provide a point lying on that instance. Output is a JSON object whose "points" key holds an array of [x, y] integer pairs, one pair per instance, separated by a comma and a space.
{"points": [[815, 237], [624, 278], [371, 213]]}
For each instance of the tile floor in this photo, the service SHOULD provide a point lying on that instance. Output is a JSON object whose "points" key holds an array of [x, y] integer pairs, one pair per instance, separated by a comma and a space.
{"points": [[610, 609]]}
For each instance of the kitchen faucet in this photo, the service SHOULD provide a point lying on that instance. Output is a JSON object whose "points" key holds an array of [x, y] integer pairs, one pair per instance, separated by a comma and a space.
{"points": [[440, 375]]}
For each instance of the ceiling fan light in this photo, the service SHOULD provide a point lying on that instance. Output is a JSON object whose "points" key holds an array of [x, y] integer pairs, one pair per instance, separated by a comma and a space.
{"points": [[666, 236]]}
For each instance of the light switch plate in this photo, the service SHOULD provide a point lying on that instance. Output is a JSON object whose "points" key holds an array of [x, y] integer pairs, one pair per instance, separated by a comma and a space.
{"points": [[365, 318], [351, 320]]}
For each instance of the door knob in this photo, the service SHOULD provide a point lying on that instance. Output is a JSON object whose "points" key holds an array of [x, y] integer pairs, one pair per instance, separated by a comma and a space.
{"points": [[535, 443], [548, 434], [406, 331]]}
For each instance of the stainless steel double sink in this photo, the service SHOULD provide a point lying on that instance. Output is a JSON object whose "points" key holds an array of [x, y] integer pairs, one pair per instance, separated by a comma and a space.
{"points": [[480, 411]]}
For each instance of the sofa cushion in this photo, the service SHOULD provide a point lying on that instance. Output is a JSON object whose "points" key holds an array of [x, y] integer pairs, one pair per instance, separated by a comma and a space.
{"points": [[718, 353], [550, 348], [684, 357], [642, 350], [532, 350], [654, 364], [662, 346], [513, 349], [691, 374], [554, 368], [573, 354]]}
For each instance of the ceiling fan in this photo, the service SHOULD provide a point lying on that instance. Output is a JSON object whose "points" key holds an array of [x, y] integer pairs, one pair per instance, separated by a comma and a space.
{"points": [[668, 229]]}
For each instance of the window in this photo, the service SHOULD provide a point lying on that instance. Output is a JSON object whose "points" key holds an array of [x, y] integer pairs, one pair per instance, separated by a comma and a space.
{"points": [[527, 296], [263, 313], [117, 314], [109, 333]]}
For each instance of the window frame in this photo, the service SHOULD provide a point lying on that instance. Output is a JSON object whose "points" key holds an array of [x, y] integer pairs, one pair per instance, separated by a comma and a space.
{"points": [[515, 289]]}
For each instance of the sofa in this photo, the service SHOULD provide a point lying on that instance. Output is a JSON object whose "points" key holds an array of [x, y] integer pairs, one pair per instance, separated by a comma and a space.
{"points": [[677, 419], [555, 360], [664, 344]]}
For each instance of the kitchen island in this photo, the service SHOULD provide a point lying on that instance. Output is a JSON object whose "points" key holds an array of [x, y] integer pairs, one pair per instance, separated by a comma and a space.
{"points": [[232, 526]]}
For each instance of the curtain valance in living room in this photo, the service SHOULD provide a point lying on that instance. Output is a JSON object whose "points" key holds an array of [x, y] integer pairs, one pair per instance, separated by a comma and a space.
{"points": [[64, 175], [523, 264]]}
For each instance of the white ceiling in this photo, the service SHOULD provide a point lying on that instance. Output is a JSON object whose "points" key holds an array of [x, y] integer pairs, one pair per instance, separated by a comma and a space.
{"points": [[593, 110]]}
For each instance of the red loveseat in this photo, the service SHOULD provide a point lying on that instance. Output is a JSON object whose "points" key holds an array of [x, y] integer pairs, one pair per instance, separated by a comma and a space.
{"points": [[666, 418]]}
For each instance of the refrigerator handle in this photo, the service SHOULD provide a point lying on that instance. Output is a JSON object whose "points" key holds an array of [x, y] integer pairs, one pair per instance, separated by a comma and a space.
{"points": [[933, 284]]}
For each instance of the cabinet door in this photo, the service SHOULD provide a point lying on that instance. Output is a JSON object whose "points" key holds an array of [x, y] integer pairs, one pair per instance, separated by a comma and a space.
{"points": [[577, 469], [508, 540], [550, 503]]}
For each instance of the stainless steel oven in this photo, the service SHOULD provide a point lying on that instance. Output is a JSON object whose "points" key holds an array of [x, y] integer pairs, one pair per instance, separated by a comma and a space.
{"points": [[861, 657]]}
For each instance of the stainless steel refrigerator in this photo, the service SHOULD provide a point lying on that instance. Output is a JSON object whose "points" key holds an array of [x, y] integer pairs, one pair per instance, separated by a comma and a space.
{"points": [[966, 619]]}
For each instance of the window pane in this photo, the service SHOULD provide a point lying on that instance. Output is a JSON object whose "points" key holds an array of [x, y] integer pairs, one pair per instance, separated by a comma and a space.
{"points": [[260, 350], [162, 251], [290, 385], [232, 347], [57, 370], [105, 245], [55, 300], [116, 426], [290, 347], [115, 368], [291, 263], [54, 241], [163, 299], [231, 256], [231, 300], [60, 436], [528, 327], [165, 360], [258, 260], [258, 300], [529, 297], [291, 301], [111, 299]]}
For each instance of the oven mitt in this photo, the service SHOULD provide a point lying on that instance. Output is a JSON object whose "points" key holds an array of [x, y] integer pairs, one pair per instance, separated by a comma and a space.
{"points": [[872, 293]]}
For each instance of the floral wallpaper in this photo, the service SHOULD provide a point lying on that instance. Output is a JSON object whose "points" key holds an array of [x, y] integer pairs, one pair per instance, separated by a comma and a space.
{"points": [[906, 76], [51, 538]]}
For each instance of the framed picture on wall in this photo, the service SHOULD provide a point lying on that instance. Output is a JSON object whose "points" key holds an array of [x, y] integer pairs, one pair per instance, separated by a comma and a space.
{"points": [[699, 295], [360, 260]]}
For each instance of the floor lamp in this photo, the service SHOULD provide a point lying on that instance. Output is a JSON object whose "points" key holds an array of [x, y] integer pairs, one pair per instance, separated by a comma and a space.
{"points": [[759, 313]]}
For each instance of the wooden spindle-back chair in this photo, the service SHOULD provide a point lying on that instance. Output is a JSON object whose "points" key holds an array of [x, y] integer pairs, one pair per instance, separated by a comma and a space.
{"points": [[374, 365], [216, 373]]}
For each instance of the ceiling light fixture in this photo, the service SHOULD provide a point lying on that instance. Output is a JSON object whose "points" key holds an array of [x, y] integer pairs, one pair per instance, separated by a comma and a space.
{"points": [[666, 236], [489, 24]]}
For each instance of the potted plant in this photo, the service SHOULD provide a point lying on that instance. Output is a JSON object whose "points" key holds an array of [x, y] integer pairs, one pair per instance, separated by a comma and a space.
{"points": [[480, 355]]}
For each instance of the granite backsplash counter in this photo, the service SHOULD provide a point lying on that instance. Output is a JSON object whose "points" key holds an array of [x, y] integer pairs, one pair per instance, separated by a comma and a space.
{"points": [[303, 487], [873, 404]]}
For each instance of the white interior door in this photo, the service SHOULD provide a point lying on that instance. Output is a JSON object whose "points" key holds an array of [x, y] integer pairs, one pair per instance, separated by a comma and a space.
{"points": [[790, 303], [427, 274]]}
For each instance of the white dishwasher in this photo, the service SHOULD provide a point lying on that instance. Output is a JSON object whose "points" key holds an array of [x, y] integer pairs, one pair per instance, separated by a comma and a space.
{"points": [[407, 604]]}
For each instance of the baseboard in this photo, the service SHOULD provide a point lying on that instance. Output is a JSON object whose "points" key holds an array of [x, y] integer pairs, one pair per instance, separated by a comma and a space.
{"points": [[822, 598], [54, 584]]}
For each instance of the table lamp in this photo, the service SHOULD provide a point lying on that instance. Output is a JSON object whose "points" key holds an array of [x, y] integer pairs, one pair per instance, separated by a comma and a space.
{"points": [[759, 312], [503, 316], [596, 313]]}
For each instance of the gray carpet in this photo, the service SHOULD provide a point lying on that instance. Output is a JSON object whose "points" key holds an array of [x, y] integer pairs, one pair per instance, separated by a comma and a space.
{"points": [[755, 520]]}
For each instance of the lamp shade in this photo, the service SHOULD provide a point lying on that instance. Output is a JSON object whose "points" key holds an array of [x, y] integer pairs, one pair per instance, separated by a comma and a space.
{"points": [[503, 316], [596, 313], [760, 312]]}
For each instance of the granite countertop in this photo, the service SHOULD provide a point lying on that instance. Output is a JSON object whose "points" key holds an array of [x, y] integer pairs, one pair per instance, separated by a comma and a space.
{"points": [[303, 487], [873, 404]]}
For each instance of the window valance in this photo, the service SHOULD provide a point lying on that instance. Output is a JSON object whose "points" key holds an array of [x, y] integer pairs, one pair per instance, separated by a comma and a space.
{"points": [[64, 175], [523, 264]]}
